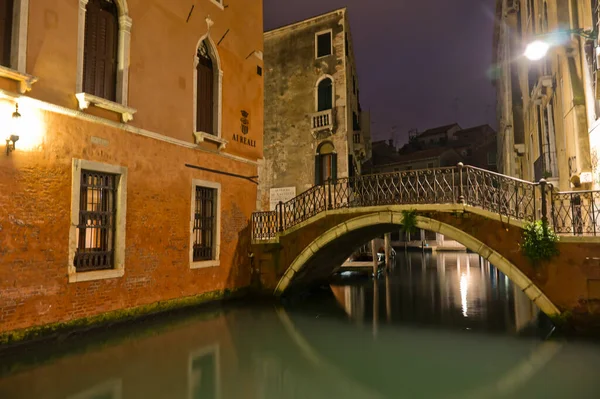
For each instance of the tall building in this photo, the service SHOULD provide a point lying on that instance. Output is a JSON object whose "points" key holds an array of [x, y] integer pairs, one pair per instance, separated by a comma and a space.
{"points": [[135, 129], [315, 129], [548, 109]]}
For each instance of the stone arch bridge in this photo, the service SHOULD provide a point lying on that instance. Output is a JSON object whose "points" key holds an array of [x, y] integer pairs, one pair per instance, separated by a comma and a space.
{"points": [[307, 238]]}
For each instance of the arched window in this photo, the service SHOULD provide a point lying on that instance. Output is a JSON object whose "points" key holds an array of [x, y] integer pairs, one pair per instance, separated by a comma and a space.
{"points": [[6, 27], [205, 93], [100, 51], [325, 95], [325, 163]]}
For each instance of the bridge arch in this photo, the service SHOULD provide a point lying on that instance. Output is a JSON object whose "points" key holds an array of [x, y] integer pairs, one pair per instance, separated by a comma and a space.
{"points": [[394, 218]]}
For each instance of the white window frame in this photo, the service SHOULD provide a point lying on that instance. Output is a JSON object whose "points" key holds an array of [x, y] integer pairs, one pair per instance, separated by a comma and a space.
{"points": [[217, 92], [123, 59], [120, 220], [215, 350], [216, 261], [17, 70], [218, 3], [323, 32]]}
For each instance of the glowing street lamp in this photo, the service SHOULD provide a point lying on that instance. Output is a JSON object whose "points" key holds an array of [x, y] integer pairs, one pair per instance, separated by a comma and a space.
{"points": [[14, 131], [538, 49]]}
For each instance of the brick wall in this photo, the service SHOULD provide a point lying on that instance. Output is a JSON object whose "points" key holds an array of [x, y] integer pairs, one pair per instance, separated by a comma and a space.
{"points": [[35, 206]]}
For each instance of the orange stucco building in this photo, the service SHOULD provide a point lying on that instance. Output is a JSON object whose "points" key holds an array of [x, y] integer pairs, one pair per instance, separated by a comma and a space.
{"points": [[130, 183]]}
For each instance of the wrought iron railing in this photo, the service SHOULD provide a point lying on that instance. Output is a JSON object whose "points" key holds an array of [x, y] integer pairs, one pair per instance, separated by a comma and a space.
{"points": [[510, 197], [576, 212]]}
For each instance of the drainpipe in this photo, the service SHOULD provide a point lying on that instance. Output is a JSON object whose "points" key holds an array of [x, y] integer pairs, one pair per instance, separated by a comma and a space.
{"points": [[582, 147]]}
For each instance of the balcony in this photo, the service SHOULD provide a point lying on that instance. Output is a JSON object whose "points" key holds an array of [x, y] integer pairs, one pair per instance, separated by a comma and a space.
{"points": [[545, 167], [322, 122]]}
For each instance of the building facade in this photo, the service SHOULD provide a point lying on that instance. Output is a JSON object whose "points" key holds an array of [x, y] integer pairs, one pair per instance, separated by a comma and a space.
{"points": [[548, 109], [313, 129], [133, 131]]}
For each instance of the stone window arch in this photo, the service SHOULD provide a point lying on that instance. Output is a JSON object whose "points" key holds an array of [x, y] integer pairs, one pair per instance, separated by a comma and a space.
{"points": [[103, 61], [208, 89], [325, 93], [325, 163]]}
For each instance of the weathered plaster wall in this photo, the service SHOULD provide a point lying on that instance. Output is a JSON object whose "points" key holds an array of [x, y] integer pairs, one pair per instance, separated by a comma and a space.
{"points": [[291, 75]]}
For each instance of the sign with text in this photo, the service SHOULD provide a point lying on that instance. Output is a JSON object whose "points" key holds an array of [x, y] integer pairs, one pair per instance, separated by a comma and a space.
{"points": [[282, 194]]}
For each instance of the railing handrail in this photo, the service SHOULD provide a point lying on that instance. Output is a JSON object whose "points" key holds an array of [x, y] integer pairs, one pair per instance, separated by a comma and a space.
{"points": [[506, 195], [501, 175]]}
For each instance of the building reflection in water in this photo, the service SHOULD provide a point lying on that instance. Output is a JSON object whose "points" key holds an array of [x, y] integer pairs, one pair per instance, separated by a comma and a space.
{"points": [[446, 288]]}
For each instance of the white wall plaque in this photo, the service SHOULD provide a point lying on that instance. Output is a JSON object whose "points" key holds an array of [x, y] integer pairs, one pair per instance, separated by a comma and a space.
{"points": [[282, 194]]}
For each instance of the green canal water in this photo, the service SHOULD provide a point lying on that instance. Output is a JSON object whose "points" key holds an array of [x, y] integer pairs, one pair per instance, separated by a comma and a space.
{"points": [[434, 326]]}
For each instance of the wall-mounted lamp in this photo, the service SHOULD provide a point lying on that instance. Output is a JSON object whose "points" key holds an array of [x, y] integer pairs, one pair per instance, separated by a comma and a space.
{"points": [[14, 137]]}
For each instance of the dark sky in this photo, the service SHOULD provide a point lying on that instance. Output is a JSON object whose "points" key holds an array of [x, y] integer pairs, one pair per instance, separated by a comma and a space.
{"points": [[420, 63]]}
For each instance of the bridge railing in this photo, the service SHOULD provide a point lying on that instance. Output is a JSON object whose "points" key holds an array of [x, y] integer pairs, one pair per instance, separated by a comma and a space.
{"points": [[576, 212], [568, 212], [508, 196]]}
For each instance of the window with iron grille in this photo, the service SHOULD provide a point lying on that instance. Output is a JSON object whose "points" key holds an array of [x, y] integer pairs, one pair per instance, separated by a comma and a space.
{"points": [[96, 225], [205, 223]]}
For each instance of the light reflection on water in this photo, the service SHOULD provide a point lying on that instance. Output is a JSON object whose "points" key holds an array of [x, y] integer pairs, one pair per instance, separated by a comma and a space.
{"points": [[449, 289], [421, 331]]}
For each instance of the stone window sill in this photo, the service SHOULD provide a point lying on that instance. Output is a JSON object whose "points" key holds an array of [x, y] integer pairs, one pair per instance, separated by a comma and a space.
{"points": [[98, 275], [201, 136], [205, 264], [25, 80], [218, 4], [85, 100]]}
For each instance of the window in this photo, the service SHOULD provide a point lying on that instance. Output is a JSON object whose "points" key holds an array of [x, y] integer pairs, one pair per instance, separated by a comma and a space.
{"points": [[325, 163], [98, 208], [491, 159], [6, 27], [356, 138], [430, 165], [325, 95], [100, 51], [355, 121], [205, 91], [14, 18], [96, 227], [205, 224], [103, 44], [324, 47]]}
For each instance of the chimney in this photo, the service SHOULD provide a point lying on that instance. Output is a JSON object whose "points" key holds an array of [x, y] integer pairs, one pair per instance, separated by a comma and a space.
{"points": [[391, 142]]}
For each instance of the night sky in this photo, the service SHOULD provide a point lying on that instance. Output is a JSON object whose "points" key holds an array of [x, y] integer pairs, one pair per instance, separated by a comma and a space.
{"points": [[420, 63]]}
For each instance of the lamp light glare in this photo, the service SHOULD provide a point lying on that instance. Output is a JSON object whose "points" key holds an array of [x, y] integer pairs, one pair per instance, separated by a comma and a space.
{"points": [[537, 50]]}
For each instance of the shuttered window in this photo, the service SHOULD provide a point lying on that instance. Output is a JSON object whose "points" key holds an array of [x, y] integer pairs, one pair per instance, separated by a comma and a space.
{"points": [[325, 95], [325, 164], [205, 91], [6, 25], [100, 49]]}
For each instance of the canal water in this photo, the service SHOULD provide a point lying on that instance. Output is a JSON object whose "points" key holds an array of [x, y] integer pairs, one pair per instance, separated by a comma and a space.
{"points": [[434, 326]]}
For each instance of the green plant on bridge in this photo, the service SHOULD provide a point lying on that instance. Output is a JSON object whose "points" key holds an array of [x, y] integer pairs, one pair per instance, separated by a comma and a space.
{"points": [[409, 221], [539, 241]]}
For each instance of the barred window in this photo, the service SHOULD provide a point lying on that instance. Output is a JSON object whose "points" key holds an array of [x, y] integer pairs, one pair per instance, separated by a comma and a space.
{"points": [[204, 224], [96, 227]]}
